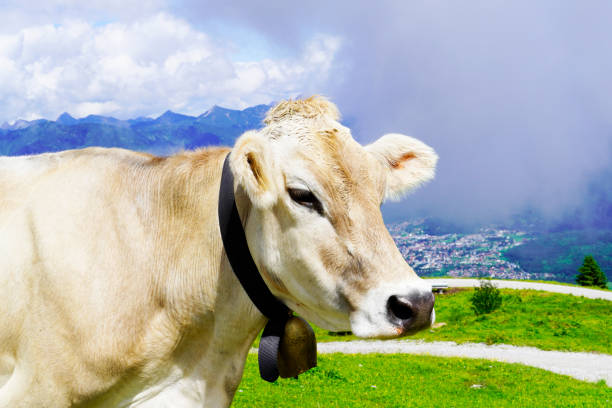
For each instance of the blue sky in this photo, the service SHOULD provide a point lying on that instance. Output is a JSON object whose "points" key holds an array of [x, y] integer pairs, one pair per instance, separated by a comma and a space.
{"points": [[514, 95]]}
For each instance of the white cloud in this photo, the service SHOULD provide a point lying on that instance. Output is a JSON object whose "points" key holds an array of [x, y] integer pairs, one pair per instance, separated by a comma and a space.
{"points": [[95, 108], [141, 68]]}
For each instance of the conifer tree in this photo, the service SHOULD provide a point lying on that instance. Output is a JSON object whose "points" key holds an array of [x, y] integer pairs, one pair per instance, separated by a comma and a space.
{"points": [[590, 274]]}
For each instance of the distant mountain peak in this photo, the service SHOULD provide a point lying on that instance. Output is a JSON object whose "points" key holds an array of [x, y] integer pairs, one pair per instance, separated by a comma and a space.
{"points": [[93, 116], [215, 109], [170, 115], [16, 125], [140, 119], [66, 119]]}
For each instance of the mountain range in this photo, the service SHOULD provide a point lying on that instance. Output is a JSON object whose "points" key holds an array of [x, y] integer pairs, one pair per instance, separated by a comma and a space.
{"points": [[168, 133], [555, 247]]}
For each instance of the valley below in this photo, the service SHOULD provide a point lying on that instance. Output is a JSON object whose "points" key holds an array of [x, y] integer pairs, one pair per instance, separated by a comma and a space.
{"points": [[500, 252]]}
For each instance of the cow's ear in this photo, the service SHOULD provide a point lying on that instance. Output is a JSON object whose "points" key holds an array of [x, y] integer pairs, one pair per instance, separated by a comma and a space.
{"points": [[251, 164], [408, 162]]}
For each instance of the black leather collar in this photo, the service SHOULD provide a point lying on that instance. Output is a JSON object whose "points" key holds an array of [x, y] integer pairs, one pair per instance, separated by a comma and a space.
{"points": [[239, 256]]}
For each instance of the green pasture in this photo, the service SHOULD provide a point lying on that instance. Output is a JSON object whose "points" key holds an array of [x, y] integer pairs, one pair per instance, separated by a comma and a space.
{"points": [[549, 321], [418, 381]]}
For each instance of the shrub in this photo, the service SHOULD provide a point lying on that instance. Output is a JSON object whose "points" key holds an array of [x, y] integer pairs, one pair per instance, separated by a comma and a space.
{"points": [[486, 298]]}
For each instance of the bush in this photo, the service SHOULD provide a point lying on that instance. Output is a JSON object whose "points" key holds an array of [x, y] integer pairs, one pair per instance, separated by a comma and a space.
{"points": [[486, 298]]}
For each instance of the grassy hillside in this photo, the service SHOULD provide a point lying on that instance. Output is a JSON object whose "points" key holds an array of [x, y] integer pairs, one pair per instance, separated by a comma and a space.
{"points": [[560, 254], [418, 381], [549, 321], [528, 318]]}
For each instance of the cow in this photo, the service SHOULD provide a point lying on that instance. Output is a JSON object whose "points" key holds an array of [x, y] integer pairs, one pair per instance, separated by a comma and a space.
{"points": [[115, 289]]}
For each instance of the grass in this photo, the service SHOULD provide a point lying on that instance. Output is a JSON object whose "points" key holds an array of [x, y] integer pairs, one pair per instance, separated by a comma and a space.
{"points": [[418, 381], [549, 321], [522, 280]]}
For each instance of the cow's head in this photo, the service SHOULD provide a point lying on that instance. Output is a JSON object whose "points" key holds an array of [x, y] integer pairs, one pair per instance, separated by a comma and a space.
{"points": [[314, 226]]}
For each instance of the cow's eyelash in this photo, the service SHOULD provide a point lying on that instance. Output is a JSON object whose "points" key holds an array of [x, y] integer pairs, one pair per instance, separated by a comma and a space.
{"points": [[306, 198]]}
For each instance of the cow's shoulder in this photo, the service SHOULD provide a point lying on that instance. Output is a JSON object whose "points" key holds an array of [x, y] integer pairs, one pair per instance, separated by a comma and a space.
{"points": [[27, 177], [98, 156]]}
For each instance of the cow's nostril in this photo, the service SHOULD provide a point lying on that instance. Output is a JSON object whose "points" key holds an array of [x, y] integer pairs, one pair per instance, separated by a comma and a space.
{"points": [[400, 307], [411, 312]]}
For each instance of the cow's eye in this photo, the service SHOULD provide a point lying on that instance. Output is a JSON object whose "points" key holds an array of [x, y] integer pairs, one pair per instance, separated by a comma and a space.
{"points": [[306, 199]]}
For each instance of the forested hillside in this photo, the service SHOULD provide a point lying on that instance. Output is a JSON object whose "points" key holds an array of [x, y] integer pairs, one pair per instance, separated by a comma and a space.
{"points": [[562, 253]]}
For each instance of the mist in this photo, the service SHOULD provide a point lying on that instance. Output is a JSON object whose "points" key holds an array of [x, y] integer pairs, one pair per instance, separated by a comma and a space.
{"points": [[515, 96]]}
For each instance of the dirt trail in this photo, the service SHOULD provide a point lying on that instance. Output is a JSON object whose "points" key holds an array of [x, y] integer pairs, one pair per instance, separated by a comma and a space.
{"points": [[509, 284], [591, 367]]}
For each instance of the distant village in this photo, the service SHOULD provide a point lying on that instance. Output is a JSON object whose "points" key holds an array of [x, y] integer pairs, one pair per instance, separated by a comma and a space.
{"points": [[460, 255]]}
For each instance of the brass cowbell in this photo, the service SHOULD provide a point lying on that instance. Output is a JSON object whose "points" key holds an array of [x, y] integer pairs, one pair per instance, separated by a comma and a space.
{"points": [[297, 352]]}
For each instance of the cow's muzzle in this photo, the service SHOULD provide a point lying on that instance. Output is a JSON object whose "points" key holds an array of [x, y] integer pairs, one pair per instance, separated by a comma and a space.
{"points": [[411, 312]]}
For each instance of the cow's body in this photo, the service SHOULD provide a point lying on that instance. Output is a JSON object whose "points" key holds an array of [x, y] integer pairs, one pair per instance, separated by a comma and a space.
{"points": [[113, 265], [115, 289]]}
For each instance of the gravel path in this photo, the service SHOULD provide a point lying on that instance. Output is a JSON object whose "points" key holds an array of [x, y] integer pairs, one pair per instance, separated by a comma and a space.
{"points": [[583, 366], [508, 284]]}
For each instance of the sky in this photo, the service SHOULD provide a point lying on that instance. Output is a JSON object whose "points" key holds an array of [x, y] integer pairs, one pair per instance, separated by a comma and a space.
{"points": [[515, 96]]}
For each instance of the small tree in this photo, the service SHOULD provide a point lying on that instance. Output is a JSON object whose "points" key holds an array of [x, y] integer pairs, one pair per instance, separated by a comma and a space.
{"points": [[486, 298], [590, 274]]}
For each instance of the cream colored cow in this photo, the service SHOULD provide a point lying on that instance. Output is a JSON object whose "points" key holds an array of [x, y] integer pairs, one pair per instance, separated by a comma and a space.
{"points": [[114, 286]]}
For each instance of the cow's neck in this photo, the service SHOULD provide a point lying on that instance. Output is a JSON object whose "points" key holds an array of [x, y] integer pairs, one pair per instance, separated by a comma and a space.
{"points": [[215, 319]]}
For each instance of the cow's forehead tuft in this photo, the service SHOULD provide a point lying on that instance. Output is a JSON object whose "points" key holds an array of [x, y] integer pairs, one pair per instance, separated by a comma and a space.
{"points": [[342, 167], [310, 108]]}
